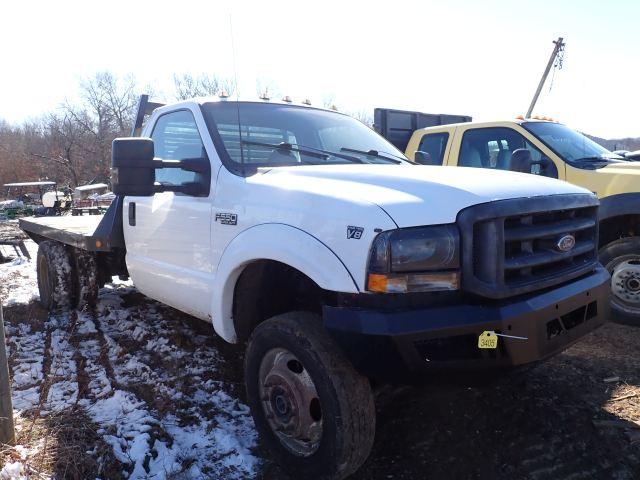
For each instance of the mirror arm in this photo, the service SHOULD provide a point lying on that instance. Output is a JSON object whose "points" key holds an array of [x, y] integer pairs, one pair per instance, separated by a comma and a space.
{"points": [[197, 165], [193, 189]]}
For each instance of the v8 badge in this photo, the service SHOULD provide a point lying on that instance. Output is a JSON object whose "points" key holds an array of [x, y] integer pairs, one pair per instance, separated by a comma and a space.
{"points": [[354, 232]]}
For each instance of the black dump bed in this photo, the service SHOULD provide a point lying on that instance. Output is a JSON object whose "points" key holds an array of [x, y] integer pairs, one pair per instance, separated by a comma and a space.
{"points": [[397, 126], [95, 233]]}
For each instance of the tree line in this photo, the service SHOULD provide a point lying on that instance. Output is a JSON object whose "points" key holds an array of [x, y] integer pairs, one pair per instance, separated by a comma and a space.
{"points": [[72, 145]]}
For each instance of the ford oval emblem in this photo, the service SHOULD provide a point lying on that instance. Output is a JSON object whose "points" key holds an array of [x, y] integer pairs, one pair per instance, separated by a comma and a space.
{"points": [[566, 243]]}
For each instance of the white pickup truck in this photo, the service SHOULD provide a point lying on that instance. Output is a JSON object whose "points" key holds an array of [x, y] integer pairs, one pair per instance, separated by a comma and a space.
{"points": [[303, 233]]}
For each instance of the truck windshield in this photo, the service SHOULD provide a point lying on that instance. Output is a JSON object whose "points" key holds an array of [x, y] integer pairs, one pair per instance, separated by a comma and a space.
{"points": [[281, 135], [572, 146]]}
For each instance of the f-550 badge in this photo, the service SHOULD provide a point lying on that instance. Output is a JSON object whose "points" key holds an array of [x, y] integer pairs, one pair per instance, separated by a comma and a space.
{"points": [[354, 232], [227, 218]]}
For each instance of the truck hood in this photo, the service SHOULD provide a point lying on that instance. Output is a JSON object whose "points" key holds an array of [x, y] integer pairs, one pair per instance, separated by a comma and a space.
{"points": [[622, 168], [415, 194]]}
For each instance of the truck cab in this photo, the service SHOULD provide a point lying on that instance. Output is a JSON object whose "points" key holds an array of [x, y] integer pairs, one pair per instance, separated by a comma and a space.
{"points": [[546, 148]]}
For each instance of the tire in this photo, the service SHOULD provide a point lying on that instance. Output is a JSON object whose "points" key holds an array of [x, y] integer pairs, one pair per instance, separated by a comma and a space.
{"points": [[86, 279], [344, 405], [614, 256], [55, 283]]}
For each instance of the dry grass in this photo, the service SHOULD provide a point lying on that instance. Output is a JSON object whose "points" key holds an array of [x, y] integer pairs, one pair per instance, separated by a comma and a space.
{"points": [[60, 444], [64, 445]]}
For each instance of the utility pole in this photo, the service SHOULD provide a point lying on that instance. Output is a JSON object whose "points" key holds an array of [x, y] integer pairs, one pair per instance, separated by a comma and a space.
{"points": [[557, 50], [7, 431]]}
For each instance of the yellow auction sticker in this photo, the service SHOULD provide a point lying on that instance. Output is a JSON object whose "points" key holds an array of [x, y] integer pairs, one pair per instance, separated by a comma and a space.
{"points": [[488, 339]]}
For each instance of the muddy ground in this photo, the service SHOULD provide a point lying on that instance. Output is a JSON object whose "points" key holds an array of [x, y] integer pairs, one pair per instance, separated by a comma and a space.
{"points": [[563, 419]]}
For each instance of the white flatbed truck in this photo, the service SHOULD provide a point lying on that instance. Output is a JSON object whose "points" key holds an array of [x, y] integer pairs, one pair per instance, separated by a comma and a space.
{"points": [[302, 233]]}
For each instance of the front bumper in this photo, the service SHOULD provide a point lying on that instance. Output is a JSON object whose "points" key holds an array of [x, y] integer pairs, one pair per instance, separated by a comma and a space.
{"points": [[388, 344]]}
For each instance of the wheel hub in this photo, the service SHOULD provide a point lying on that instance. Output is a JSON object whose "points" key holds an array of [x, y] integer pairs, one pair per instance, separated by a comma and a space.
{"points": [[625, 281], [280, 403], [290, 402]]}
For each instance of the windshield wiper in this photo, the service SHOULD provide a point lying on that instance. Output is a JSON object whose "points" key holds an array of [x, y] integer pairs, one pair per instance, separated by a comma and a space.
{"points": [[311, 151], [287, 147], [373, 153], [595, 159]]}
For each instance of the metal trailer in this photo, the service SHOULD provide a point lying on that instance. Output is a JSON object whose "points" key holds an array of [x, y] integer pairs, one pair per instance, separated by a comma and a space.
{"points": [[12, 236]]}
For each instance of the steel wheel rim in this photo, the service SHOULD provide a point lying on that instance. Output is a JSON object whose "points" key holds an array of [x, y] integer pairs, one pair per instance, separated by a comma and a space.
{"points": [[625, 283], [290, 402]]}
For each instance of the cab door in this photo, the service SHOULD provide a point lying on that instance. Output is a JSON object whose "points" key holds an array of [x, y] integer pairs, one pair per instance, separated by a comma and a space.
{"points": [[435, 143], [168, 234]]}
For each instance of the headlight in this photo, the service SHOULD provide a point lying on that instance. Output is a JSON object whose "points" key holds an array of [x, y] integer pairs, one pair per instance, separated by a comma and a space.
{"points": [[422, 259]]}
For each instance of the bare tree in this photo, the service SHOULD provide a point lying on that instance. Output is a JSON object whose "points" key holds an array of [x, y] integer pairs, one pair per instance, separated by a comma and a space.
{"points": [[329, 101], [106, 112], [66, 147], [188, 86], [364, 116]]}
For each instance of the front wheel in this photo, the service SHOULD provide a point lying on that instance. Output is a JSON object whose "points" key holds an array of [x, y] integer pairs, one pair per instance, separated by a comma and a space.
{"points": [[313, 411], [622, 259]]}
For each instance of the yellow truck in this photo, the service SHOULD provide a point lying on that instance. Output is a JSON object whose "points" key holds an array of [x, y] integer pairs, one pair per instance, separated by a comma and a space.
{"points": [[540, 147]]}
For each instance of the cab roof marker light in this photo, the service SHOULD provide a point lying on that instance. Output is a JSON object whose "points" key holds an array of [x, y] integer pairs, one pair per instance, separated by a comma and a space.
{"points": [[520, 117], [223, 95], [306, 101], [287, 99], [265, 96]]}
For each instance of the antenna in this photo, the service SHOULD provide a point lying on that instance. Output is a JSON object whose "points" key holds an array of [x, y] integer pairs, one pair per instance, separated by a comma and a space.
{"points": [[235, 79]]}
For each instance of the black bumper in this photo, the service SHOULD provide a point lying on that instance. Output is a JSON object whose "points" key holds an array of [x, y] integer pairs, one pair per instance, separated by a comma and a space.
{"points": [[388, 344]]}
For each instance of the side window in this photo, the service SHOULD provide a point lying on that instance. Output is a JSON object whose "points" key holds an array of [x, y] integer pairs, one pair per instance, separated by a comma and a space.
{"points": [[175, 137], [494, 147], [434, 144]]}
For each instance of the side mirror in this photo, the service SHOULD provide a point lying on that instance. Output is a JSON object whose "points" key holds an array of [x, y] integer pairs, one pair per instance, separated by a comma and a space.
{"points": [[423, 158], [133, 170], [132, 167], [521, 160]]}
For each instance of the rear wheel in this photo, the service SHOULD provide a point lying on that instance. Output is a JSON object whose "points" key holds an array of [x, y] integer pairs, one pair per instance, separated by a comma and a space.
{"points": [[86, 279], [622, 259], [54, 276], [313, 411]]}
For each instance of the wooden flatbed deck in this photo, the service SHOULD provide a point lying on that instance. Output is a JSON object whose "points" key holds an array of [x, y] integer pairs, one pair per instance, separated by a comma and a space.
{"points": [[95, 233]]}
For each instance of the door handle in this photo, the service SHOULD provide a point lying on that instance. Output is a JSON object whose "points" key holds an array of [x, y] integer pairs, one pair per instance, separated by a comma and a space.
{"points": [[132, 214]]}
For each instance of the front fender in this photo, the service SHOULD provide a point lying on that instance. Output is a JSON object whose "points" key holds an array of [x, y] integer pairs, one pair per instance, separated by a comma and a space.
{"points": [[621, 204], [282, 243]]}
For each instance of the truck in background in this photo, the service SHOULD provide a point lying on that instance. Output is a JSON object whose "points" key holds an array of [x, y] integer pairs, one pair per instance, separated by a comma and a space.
{"points": [[303, 234], [544, 148]]}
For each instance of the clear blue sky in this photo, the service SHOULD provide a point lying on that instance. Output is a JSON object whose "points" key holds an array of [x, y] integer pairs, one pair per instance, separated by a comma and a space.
{"points": [[482, 58]]}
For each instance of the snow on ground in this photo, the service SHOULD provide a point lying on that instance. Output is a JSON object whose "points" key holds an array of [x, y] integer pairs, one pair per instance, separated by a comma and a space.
{"points": [[147, 377], [18, 283]]}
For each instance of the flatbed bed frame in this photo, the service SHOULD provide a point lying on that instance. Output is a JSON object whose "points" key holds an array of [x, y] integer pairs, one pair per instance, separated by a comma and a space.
{"points": [[93, 233]]}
